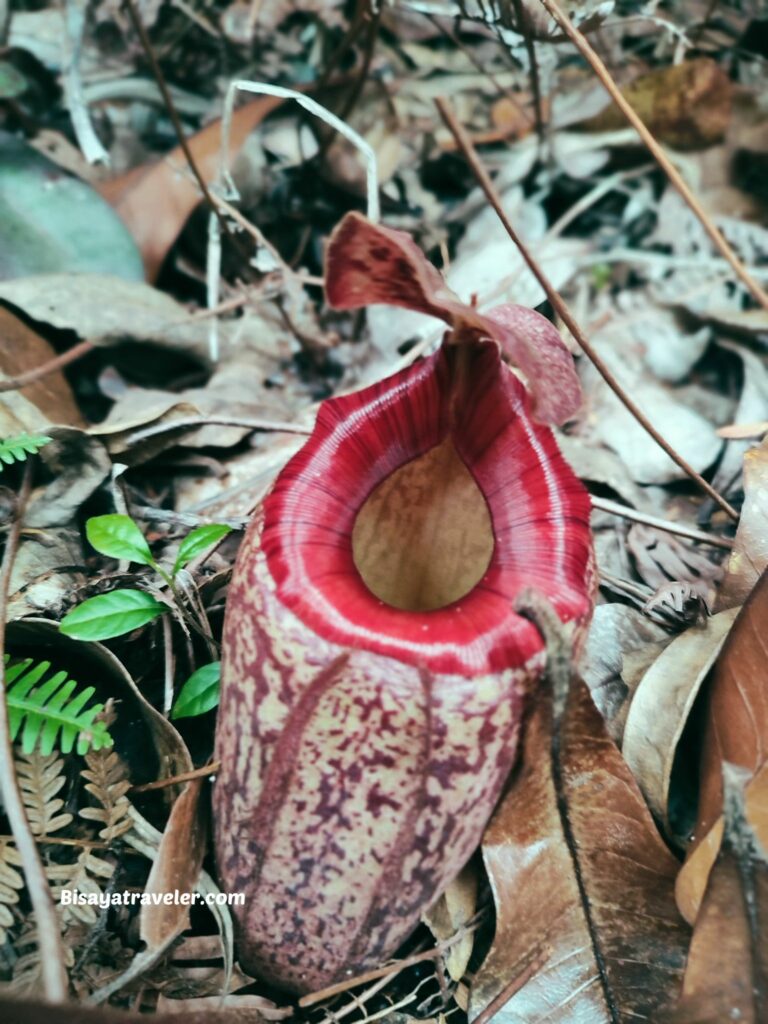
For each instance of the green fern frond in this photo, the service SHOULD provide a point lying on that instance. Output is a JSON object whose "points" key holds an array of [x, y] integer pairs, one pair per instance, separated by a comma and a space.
{"points": [[52, 710], [16, 449]]}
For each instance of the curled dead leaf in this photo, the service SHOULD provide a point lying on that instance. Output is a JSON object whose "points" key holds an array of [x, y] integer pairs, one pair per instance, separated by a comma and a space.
{"points": [[750, 552], [586, 945], [662, 705], [736, 732], [726, 976], [176, 867]]}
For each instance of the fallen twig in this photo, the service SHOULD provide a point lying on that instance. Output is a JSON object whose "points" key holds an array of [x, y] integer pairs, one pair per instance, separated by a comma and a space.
{"points": [[54, 975], [680, 529]]}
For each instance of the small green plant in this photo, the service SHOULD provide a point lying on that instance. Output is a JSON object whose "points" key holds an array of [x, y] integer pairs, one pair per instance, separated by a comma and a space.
{"points": [[120, 611], [43, 710], [16, 449], [200, 693]]}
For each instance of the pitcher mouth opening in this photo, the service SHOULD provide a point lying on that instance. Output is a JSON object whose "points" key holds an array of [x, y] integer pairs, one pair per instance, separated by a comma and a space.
{"points": [[423, 538], [395, 474]]}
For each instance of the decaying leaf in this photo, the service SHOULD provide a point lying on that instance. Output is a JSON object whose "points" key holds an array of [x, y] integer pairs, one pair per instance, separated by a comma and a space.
{"points": [[28, 1012], [661, 558], [662, 705], [737, 716], [736, 732], [23, 349], [616, 634], [686, 106], [451, 913], [692, 881], [49, 561], [609, 421], [726, 976], [107, 309], [603, 944], [155, 201], [750, 553], [176, 867]]}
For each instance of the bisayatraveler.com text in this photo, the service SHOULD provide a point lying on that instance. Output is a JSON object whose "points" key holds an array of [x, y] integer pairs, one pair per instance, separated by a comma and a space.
{"points": [[128, 898]]}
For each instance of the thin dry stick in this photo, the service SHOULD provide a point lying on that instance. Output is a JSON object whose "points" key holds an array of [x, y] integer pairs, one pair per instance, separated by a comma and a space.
{"points": [[388, 971], [54, 975], [562, 310], [177, 126], [82, 844], [602, 72], [172, 780], [689, 532], [524, 27], [46, 369], [222, 421]]}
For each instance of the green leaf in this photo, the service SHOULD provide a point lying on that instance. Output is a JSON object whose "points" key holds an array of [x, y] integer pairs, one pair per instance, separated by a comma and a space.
{"points": [[52, 711], [108, 615], [119, 537], [51, 221], [16, 449], [197, 541], [200, 693]]}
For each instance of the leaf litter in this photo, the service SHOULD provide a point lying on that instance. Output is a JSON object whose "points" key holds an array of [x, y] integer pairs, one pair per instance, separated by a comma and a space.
{"points": [[674, 667]]}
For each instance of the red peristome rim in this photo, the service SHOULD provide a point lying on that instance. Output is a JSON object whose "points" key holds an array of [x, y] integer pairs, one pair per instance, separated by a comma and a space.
{"points": [[539, 511]]}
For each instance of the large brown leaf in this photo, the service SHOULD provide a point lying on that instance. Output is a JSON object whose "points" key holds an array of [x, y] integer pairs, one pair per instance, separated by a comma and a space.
{"points": [[155, 200], [662, 705], [586, 920], [726, 977], [694, 875], [737, 717], [737, 732]]}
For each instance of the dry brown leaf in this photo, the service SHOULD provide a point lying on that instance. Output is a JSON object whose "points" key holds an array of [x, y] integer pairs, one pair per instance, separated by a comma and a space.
{"points": [[750, 553], [108, 310], [662, 704], [631, 937], [23, 349], [687, 106], [176, 867], [451, 912], [692, 880], [737, 716], [737, 732], [726, 976], [43, 1013], [155, 201], [620, 638]]}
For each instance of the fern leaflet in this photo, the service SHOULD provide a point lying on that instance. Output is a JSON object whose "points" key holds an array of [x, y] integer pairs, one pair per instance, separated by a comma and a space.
{"points": [[52, 710], [11, 884], [40, 780], [16, 449]]}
